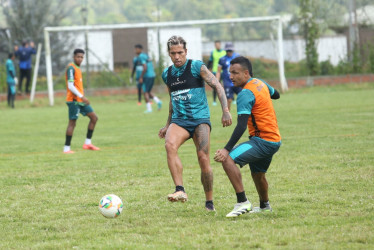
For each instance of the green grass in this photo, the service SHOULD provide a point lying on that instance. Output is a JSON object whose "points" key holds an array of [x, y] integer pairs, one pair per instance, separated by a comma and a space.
{"points": [[321, 180]]}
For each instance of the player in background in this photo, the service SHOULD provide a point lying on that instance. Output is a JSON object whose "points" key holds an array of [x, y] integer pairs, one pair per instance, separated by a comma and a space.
{"points": [[78, 103], [24, 54], [224, 73], [216, 54], [145, 75], [189, 116], [11, 79], [255, 110]]}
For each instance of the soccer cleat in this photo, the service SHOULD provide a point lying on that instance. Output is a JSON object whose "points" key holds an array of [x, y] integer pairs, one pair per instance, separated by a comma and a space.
{"points": [[261, 210], [90, 147], [139, 103], [178, 196], [240, 208], [210, 207], [214, 104], [159, 105], [69, 152], [234, 102]]}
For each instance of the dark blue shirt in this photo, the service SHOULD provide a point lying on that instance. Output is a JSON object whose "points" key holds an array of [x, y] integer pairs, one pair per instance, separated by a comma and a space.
{"points": [[24, 56]]}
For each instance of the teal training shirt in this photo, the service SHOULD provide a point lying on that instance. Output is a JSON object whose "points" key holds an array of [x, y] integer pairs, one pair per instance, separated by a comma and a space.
{"points": [[189, 103], [9, 71]]}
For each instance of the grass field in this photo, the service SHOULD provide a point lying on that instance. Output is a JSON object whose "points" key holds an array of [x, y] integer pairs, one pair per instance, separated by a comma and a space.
{"points": [[321, 181]]}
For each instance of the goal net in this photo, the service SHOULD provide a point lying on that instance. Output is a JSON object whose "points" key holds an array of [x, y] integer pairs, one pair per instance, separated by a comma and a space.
{"points": [[112, 46]]}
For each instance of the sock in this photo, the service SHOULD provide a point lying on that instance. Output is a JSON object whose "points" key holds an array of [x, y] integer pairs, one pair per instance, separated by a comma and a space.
{"points": [[149, 106], [156, 99], [208, 202], [240, 197], [179, 188], [66, 148], [68, 140], [87, 141], [89, 133], [264, 204]]}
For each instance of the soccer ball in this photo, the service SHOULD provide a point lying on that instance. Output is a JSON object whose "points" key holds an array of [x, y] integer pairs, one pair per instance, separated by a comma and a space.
{"points": [[110, 206]]}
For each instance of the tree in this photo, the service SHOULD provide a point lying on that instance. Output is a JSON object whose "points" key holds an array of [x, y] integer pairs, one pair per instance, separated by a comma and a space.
{"points": [[26, 20], [311, 35]]}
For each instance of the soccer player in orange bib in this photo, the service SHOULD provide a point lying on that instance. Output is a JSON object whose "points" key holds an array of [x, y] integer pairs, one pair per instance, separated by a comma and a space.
{"points": [[78, 103], [255, 110]]}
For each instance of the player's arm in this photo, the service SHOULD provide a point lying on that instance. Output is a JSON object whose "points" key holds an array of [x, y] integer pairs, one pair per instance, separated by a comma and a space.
{"points": [[71, 86], [212, 81], [241, 126], [143, 72], [274, 94]]}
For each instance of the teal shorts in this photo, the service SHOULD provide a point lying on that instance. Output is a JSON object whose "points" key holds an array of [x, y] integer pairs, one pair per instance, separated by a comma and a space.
{"points": [[190, 125], [148, 84], [76, 108], [256, 152]]}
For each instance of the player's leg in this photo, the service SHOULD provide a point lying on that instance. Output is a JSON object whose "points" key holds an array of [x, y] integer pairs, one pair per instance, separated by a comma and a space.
{"points": [[174, 138], [28, 78], [91, 127], [69, 135], [73, 116], [229, 95], [9, 95], [201, 138], [214, 97], [22, 75], [152, 96], [146, 91], [139, 87]]}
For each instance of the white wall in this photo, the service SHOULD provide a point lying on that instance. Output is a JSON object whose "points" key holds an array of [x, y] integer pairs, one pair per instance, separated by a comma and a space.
{"points": [[100, 42], [191, 35], [329, 48]]}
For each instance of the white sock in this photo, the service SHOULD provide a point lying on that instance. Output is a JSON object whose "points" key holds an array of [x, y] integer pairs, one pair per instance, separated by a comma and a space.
{"points": [[88, 141], [149, 106], [156, 99], [66, 148]]}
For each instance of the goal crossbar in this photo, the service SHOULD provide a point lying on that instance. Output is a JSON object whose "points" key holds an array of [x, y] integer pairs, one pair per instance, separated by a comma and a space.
{"points": [[47, 30]]}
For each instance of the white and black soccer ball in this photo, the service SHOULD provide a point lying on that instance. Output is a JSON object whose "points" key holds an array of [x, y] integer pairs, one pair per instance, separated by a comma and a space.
{"points": [[110, 206]]}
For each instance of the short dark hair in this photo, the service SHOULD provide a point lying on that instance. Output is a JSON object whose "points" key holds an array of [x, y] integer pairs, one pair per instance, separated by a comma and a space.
{"points": [[10, 55], [176, 40], [77, 51], [138, 46], [217, 41], [244, 62]]}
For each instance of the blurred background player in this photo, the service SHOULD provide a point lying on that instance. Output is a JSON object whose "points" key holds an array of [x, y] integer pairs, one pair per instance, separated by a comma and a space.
{"points": [[11, 79], [189, 117], [224, 73], [78, 103], [23, 54], [216, 54], [145, 75], [255, 110]]}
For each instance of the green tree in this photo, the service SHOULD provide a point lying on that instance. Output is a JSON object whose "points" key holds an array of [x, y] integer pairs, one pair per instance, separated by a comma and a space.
{"points": [[311, 35], [26, 20]]}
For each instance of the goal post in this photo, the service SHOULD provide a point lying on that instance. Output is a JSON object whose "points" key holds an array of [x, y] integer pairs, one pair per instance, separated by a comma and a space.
{"points": [[47, 30]]}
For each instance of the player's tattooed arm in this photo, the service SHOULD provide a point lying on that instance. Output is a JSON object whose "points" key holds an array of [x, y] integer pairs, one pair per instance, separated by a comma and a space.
{"points": [[212, 81]]}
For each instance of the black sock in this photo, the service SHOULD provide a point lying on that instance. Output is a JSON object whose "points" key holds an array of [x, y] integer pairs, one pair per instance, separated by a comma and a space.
{"points": [[89, 133], [264, 204], [68, 140], [240, 197], [179, 188], [208, 202]]}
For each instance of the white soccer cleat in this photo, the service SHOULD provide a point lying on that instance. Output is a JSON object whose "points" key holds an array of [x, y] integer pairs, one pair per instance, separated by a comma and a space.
{"points": [[239, 209]]}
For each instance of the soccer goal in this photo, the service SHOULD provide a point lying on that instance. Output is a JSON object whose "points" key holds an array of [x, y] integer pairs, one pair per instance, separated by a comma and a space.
{"points": [[196, 32]]}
